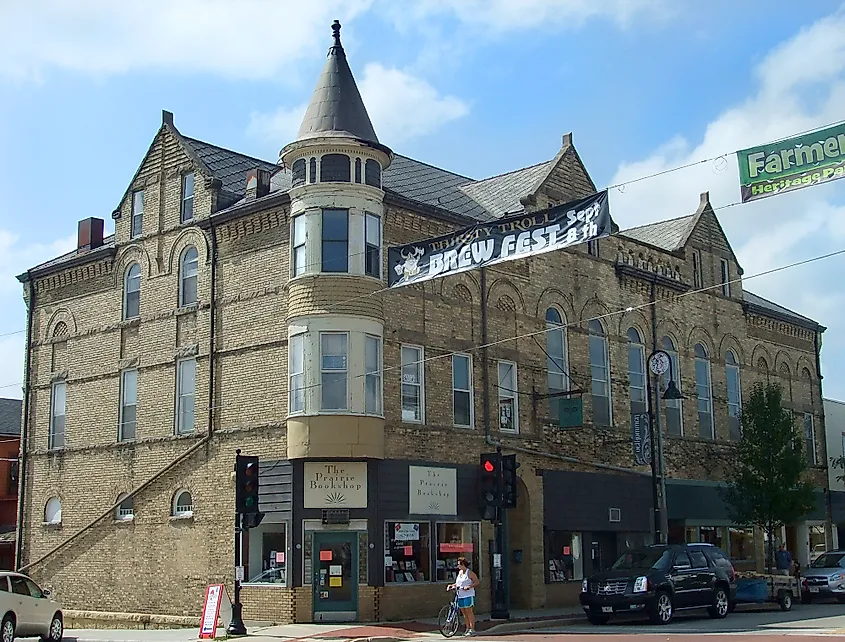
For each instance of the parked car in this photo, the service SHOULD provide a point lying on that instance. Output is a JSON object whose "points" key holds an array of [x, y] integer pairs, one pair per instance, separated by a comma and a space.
{"points": [[28, 610], [825, 577], [659, 580]]}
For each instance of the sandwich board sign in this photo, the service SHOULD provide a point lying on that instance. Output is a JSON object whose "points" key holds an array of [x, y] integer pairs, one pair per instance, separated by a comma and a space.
{"points": [[216, 599]]}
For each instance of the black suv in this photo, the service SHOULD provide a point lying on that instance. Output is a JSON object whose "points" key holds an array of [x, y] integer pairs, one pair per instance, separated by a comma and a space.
{"points": [[660, 579]]}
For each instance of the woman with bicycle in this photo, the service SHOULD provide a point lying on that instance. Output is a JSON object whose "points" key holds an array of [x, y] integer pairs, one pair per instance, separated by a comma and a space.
{"points": [[465, 584]]}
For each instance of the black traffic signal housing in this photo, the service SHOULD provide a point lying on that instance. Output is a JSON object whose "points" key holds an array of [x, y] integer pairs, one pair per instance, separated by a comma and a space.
{"points": [[246, 484], [251, 520], [509, 492], [490, 484]]}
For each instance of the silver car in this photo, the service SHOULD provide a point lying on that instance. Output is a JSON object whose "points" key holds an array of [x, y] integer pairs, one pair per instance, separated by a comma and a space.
{"points": [[825, 577], [27, 610]]}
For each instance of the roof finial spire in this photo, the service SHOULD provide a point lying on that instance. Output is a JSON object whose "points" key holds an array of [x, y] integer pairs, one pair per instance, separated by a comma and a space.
{"points": [[336, 33]]}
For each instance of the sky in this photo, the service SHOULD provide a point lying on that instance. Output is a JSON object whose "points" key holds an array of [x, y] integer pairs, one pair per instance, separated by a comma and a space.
{"points": [[479, 87]]}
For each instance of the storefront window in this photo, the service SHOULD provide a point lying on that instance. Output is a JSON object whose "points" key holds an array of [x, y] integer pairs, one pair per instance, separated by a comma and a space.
{"points": [[407, 552], [456, 540], [817, 541], [564, 559], [267, 562], [741, 544], [714, 535]]}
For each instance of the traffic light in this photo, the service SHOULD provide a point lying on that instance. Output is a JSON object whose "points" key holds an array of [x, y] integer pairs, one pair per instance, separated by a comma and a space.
{"points": [[252, 520], [490, 484], [246, 484], [509, 466]]}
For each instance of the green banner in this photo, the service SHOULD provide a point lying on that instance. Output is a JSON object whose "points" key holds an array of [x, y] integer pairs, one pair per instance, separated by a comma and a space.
{"points": [[792, 164]]}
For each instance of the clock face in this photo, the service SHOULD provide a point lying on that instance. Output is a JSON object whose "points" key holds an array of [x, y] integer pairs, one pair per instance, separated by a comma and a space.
{"points": [[659, 363]]}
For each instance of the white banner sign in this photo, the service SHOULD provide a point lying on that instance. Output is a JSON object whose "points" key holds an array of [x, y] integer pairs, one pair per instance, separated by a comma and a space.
{"points": [[433, 491]]}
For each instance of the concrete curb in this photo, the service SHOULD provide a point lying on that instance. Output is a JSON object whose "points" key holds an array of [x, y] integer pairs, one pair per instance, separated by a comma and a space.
{"points": [[522, 625]]}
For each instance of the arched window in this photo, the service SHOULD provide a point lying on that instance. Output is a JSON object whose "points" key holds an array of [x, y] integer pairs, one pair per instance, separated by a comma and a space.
{"points": [[734, 393], [357, 170], [809, 420], [600, 373], [188, 270], [298, 173], [60, 331], [786, 375], [636, 371], [372, 173], [312, 170], [53, 511], [126, 510], [763, 367], [183, 504], [334, 168], [558, 378], [674, 407], [704, 393], [132, 292]]}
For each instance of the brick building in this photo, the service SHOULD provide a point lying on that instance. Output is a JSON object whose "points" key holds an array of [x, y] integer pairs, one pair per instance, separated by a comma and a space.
{"points": [[10, 431], [242, 304]]}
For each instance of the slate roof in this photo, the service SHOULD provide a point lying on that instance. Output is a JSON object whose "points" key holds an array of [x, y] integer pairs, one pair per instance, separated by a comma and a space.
{"points": [[776, 309], [667, 235], [336, 108], [500, 195], [10, 416]]}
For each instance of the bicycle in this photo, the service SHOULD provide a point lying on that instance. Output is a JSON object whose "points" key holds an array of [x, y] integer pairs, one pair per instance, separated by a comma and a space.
{"points": [[449, 619]]}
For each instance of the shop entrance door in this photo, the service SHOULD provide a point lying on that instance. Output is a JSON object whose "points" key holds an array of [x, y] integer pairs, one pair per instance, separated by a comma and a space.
{"points": [[335, 578]]}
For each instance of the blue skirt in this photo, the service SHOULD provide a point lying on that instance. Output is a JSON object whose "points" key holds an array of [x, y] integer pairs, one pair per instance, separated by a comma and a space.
{"points": [[466, 602]]}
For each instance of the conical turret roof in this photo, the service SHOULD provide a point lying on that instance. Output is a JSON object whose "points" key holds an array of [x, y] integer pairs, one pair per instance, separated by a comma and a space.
{"points": [[336, 108]]}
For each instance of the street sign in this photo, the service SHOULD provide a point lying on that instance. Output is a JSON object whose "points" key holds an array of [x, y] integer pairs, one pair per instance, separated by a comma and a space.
{"points": [[216, 600], [497, 560], [659, 362], [239, 573]]}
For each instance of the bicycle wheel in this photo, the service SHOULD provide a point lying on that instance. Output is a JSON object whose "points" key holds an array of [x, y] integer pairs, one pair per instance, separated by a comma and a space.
{"points": [[448, 621]]}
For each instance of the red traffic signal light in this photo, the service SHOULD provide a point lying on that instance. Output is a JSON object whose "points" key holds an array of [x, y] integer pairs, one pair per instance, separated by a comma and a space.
{"points": [[488, 466]]}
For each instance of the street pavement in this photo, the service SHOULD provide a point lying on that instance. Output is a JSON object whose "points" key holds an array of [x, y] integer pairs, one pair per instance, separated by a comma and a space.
{"points": [[804, 622]]}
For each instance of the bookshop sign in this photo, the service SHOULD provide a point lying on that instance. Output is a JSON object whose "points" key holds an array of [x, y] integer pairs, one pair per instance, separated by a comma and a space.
{"points": [[432, 491]]}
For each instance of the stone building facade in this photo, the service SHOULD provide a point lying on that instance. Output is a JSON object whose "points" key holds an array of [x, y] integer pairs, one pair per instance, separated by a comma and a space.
{"points": [[243, 304]]}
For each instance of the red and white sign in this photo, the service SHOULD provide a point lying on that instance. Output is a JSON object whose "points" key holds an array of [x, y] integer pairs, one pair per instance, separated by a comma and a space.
{"points": [[456, 547], [211, 611]]}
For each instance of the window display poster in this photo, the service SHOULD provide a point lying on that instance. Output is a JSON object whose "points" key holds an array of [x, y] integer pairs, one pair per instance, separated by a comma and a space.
{"points": [[409, 550], [456, 547], [326, 556], [280, 558], [335, 569], [335, 581], [404, 532]]}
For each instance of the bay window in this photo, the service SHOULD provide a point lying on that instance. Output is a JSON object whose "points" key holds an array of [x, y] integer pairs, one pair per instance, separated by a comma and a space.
{"points": [[333, 370], [298, 260], [413, 393], [296, 373], [372, 375], [335, 240], [372, 245]]}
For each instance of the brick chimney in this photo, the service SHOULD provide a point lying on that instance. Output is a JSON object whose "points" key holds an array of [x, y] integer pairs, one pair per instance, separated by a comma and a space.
{"points": [[257, 183], [90, 234]]}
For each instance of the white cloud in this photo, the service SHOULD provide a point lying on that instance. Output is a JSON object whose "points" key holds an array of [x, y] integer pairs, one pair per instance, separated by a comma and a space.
{"points": [[16, 257], [791, 95], [248, 39], [401, 107], [11, 366]]}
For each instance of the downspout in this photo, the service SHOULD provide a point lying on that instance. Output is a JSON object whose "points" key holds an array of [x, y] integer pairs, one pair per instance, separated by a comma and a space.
{"points": [[24, 423], [485, 366], [828, 499], [212, 321]]}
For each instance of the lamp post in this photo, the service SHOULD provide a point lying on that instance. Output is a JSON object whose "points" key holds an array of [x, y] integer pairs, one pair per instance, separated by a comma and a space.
{"points": [[659, 363]]}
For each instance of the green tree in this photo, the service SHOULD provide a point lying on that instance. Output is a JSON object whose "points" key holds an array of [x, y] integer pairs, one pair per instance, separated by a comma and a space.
{"points": [[767, 488]]}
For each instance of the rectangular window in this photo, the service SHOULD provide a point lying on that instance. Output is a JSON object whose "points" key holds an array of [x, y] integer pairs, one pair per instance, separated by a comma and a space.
{"points": [[508, 400], [600, 388], [299, 265], [593, 247], [137, 213], [674, 407], [267, 562], [58, 407], [741, 544], [14, 474], [372, 241], [809, 439], [696, 269], [187, 197], [456, 540], [734, 401], [714, 535], [725, 275], [128, 404], [372, 376], [333, 370], [335, 241], [407, 552], [462, 410], [636, 377], [413, 385], [705, 401], [296, 371], [564, 561], [186, 389]]}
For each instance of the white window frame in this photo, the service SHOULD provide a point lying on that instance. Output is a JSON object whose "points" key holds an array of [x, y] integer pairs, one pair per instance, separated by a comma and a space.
{"points": [[810, 438], [706, 362], [323, 240], [299, 244], [737, 407], [468, 357], [136, 222], [293, 375], [725, 276], [174, 508], [378, 411], [123, 405], [419, 362], [345, 371], [188, 269], [368, 216], [126, 280], [181, 395], [184, 207], [54, 443], [511, 393], [125, 514], [57, 517]]}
